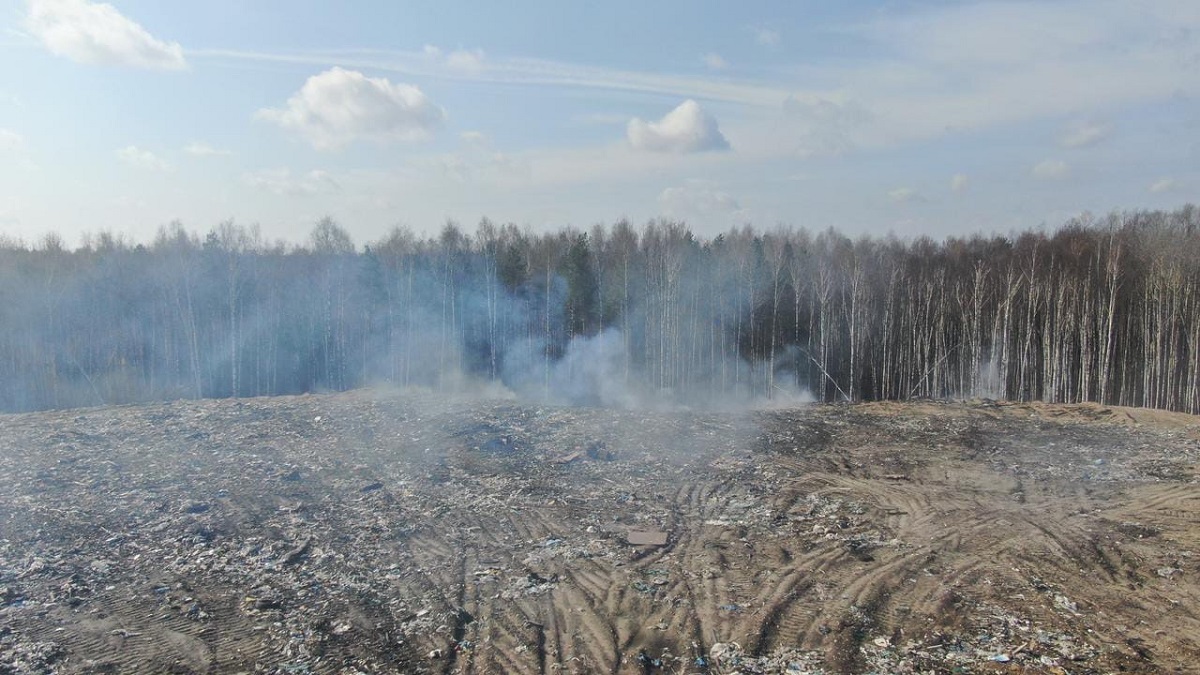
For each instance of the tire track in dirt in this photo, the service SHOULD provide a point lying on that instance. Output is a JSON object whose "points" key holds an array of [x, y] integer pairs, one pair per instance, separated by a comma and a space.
{"points": [[885, 529], [703, 565], [579, 630], [154, 637], [781, 626], [568, 623], [1170, 502], [943, 533]]}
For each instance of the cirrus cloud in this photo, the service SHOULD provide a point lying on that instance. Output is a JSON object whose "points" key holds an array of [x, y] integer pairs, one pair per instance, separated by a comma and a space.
{"points": [[687, 128], [338, 107], [96, 33]]}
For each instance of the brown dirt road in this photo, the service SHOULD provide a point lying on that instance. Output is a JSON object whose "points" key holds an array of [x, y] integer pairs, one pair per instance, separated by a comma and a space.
{"points": [[385, 532]]}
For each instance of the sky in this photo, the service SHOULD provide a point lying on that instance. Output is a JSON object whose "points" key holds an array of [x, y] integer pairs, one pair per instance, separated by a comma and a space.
{"points": [[912, 117]]}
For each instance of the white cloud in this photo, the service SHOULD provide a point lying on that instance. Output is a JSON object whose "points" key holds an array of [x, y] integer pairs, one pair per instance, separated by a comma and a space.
{"points": [[715, 61], [142, 159], [1082, 134], [697, 201], [687, 128], [466, 60], [337, 107], [928, 69], [1007, 34], [473, 137], [10, 140], [460, 61], [766, 37], [1051, 169], [959, 182], [818, 125], [903, 195], [477, 162], [198, 149], [1162, 185], [283, 183], [968, 66], [96, 33]]}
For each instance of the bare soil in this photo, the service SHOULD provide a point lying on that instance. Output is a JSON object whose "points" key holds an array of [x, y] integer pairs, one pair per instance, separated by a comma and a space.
{"points": [[377, 532]]}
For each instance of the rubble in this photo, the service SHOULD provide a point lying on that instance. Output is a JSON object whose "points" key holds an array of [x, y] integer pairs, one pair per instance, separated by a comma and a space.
{"points": [[390, 532]]}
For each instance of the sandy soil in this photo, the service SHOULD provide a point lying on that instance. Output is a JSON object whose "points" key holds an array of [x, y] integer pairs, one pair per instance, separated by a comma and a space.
{"points": [[386, 532]]}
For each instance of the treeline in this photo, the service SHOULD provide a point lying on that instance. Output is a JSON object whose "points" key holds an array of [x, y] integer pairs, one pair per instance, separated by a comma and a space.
{"points": [[1103, 309]]}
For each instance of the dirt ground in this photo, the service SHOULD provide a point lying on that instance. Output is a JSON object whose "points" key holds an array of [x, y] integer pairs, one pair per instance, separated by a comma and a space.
{"points": [[383, 532]]}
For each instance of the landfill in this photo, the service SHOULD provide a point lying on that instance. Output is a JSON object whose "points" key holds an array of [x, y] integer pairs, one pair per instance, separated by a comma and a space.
{"points": [[415, 532]]}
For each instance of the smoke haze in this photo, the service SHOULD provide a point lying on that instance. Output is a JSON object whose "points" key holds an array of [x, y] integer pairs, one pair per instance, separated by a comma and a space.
{"points": [[1101, 310]]}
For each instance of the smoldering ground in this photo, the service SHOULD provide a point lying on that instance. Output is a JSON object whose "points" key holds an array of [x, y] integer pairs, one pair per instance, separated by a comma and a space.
{"points": [[431, 533]]}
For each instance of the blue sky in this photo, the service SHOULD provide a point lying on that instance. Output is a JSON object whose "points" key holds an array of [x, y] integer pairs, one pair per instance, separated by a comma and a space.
{"points": [[933, 118]]}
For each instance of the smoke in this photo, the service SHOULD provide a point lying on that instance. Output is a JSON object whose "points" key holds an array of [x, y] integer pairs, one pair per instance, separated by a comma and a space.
{"points": [[989, 376], [592, 372], [190, 320], [598, 371], [468, 333], [588, 373]]}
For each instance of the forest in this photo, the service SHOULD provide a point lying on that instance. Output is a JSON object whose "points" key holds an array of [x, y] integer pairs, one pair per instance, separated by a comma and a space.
{"points": [[1101, 308]]}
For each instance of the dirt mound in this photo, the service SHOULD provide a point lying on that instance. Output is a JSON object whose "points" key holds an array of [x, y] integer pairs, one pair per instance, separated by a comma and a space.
{"points": [[372, 532]]}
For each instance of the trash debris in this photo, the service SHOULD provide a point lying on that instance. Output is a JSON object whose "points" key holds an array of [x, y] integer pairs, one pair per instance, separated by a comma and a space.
{"points": [[296, 554], [598, 451], [426, 533], [1061, 602], [647, 538], [568, 458]]}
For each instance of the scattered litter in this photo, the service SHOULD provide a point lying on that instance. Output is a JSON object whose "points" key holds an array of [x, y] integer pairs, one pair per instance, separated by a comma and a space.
{"points": [[1063, 603], [647, 538], [296, 554], [357, 541], [568, 458]]}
